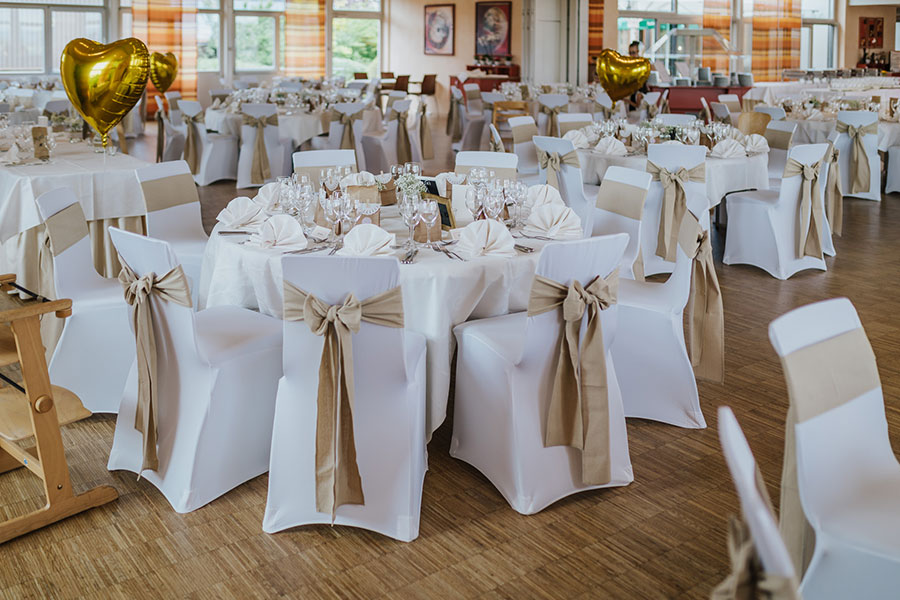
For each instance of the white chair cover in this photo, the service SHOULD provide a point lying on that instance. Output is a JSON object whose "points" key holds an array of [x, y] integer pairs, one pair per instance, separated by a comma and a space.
{"points": [[845, 146], [571, 181], [528, 162], [277, 149], [218, 152], [619, 209]]}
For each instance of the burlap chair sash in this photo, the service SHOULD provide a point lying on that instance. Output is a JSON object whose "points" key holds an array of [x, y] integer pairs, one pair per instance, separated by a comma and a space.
{"points": [[348, 137], [259, 168], [552, 162], [425, 141], [160, 136], [627, 201], [171, 287], [706, 315], [65, 229], [652, 109], [192, 143], [523, 133], [834, 193], [404, 150], [811, 221], [674, 205], [454, 126], [337, 473], [166, 192], [473, 94], [860, 173], [552, 113], [578, 415], [778, 139]]}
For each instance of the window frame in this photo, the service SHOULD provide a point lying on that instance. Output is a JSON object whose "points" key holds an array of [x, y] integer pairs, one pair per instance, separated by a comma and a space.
{"points": [[276, 43], [331, 14], [221, 13]]}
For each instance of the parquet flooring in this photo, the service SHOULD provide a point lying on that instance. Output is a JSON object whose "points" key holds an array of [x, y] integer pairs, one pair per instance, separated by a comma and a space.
{"points": [[661, 537]]}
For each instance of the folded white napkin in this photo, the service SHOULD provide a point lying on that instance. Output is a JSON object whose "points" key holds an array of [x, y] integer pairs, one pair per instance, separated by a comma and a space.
{"points": [[446, 181], [216, 103], [361, 178], [735, 134], [242, 212], [10, 156], [592, 135], [383, 178], [611, 146], [539, 195], [554, 221], [485, 238], [756, 144], [267, 194], [693, 136], [578, 139], [367, 240], [815, 114], [282, 232], [728, 148]]}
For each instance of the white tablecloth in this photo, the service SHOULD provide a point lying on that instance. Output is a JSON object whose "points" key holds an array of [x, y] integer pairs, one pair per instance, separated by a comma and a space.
{"points": [[107, 187], [298, 127], [723, 175], [772, 91], [816, 132], [438, 294], [31, 98]]}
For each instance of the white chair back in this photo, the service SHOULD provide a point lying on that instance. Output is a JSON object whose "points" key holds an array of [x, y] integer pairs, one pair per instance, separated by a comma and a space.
{"points": [[323, 159], [4, 107], [608, 221], [495, 135], [776, 132], [73, 269], [173, 99], [179, 216], [336, 129], [528, 162], [57, 106], [569, 121], [290, 86], [720, 111], [731, 101], [21, 117], [474, 105], [844, 144], [274, 148], [502, 163], [571, 182], [675, 119], [389, 141], [776, 112], [652, 98]]}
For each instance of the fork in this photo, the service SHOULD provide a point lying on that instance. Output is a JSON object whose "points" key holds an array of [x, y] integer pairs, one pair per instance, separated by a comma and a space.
{"points": [[410, 258]]}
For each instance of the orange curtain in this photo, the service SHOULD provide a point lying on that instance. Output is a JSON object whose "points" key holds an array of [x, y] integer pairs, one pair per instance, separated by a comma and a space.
{"points": [[716, 15], [304, 54], [595, 34], [169, 26], [776, 38]]}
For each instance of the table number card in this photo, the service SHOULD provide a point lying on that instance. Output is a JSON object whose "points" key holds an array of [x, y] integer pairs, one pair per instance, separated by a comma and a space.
{"points": [[41, 149]]}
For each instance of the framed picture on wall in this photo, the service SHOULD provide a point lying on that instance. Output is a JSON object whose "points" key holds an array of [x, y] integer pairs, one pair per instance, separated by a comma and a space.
{"points": [[493, 28], [871, 32], [440, 29]]}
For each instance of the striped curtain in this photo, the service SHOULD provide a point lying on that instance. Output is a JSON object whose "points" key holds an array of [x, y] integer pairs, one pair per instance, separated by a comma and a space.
{"points": [[776, 38], [595, 35], [169, 26], [304, 54], [716, 15]]}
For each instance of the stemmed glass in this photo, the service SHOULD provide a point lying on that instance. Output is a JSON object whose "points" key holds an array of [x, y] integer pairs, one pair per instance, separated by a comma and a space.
{"points": [[475, 201], [428, 213], [493, 205], [409, 210], [330, 207]]}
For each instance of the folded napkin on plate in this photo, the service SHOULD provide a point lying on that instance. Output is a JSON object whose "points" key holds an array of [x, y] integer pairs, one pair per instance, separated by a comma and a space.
{"points": [[361, 178], [756, 144], [446, 181], [554, 221], [367, 240], [485, 238], [815, 114], [728, 148], [383, 178], [591, 134], [735, 134], [539, 195], [267, 194], [242, 212], [11, 156], [578, 139], [611, 146], [282, 232]]}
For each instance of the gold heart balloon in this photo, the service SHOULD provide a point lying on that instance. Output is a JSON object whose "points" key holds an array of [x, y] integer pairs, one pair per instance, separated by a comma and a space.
{"points": [[620, 75], [104, 81], [163, 70]]}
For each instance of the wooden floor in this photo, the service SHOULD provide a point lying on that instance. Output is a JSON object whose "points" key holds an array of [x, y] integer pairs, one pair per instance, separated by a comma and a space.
{"points": [[661, 537]]}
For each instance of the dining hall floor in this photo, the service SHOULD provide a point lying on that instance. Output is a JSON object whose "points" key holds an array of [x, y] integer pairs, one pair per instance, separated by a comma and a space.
{"points": [[663, 536]]}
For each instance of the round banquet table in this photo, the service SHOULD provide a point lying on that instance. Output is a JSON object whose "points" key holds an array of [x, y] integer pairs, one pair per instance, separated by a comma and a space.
{"points": [[438, 293], [723, 175], [298, 127], [811, 131]]}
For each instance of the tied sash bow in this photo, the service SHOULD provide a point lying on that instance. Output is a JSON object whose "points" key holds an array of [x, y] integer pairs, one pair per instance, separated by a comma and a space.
{"points": [[348, 137], [337, 473], [859, 162], [454, 126], [160, 135], [552, 162], [425, 141], [404, 150], [171, 287], [809, 234], [259, 168], [674, 204], [191, 143], [553, 113], [578, 415], [834, 193]]}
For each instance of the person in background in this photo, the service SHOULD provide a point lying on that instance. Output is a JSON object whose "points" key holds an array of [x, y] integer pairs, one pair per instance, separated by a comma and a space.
{"points": [[634, 101]]}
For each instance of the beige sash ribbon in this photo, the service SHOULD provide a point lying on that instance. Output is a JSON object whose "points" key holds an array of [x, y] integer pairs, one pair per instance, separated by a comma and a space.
{"points": [[523, 133], [780, 140], [171, 287], [259, 168], [337, 473], [567, 126], [553, 113], [160, 137], [496, 145], [192, 144], [425, 141], [348, 137], [66, 228], [553, 162], [526, 93], [674, 205], [651, 109], [860, 173], [834, 193], [578, 415], [706, 315], [454, 126], [166, 192], [809, 236], [404, 150], [627, 201], [819, 377], [607, 112], [473, 94]]}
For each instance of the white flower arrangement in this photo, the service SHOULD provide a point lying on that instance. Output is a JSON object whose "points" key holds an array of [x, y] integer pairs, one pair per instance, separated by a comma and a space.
{"points": [[409, 184]]}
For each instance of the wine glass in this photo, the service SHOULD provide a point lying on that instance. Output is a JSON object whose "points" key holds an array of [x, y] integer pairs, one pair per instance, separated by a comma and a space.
{"points": [[428, 212], [493, 205], [409, 210], [329, 208], [474, 201]]}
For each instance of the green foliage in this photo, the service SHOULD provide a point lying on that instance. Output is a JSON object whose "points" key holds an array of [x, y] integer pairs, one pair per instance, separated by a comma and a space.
{"points": [[354, 45]]}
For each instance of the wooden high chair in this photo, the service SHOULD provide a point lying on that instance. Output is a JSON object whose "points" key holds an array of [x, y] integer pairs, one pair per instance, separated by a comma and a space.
{"points": [[37, 410], [505, 109]]}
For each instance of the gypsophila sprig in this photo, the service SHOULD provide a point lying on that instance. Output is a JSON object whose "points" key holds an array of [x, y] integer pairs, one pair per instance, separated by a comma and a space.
{"points": [[410, 184]]}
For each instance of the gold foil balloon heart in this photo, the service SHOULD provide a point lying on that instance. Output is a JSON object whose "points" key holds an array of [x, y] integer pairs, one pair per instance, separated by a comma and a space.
{"points": [[620, 75], [104, 81], [163, 70]]}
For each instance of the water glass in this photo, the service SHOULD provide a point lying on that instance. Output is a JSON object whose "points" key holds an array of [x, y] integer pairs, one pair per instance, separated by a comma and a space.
{"points": [[428, 212]]}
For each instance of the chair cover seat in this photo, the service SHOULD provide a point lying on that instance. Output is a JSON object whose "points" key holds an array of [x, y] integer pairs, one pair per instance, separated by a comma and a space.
{"points": [[867, 517], [646, 295], [228, 332], [768, 197]]}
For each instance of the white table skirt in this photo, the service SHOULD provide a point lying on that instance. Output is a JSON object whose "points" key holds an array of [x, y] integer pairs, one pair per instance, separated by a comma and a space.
{"points": [[438, 294], [723, 175], [298, 128], [817, 132], [107, 187], [773, 91]]}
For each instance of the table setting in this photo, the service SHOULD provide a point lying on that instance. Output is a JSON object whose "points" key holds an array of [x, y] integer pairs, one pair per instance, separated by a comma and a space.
{"points": [[816, 120]]}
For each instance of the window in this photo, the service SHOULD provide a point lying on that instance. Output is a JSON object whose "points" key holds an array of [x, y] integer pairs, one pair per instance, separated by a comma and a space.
{"points": [[355, 45], [817, 9], [208, 41], [68, 25], [22, 40], [817, 46], [646, 5], [369, 5], [254, 43]]}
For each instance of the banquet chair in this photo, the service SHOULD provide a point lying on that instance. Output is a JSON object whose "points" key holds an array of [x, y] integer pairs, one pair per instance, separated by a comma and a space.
{"points": [[620, 205], [218, 152], [173, 147], [549, 108], [496, 141], [503, 164], [750, 123], [675, 119], [488, 99], [523, 131], [756, 507], [55, 107], [22, 117], [763, 225], [241, 85], [474, 105], [311, 162], [172, 100], [472, 124], [382, 151], [504, 382], [870, 188], [779, 136], [836, 432], [96, 349], [567, 122], [577, 195], [217, 373], [732, 102], [649, 105], [651, 330], [776, 112], [388, 426], [420, 132], [336, 130], [392, 98], [892, 170], [221, 94], [721, 113], [173, 214], [277, 149], [401, 84], [602, 99], [707, 114]]}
